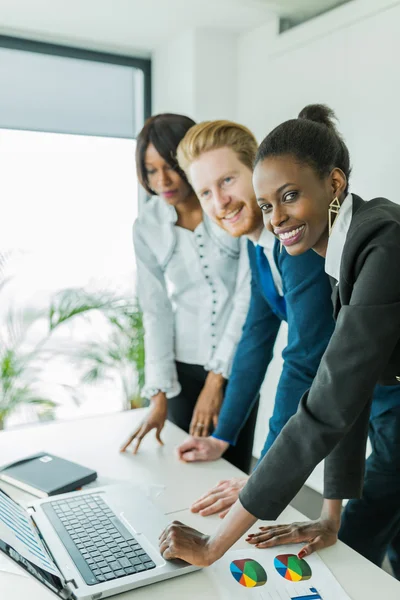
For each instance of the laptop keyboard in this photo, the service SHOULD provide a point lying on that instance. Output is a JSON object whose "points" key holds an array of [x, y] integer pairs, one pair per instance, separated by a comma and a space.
{"points": [[100, 545]]}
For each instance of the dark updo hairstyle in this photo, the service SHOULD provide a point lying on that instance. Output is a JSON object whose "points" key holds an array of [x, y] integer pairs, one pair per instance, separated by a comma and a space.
{"points": [[312, 138], [164, 131]]}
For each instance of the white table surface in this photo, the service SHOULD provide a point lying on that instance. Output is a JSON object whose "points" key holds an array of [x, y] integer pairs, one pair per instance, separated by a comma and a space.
{"points": [[96, 441]]}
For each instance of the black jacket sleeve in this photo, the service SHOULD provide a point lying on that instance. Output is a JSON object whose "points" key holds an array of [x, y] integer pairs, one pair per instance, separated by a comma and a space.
{"points": [[333, 414]]}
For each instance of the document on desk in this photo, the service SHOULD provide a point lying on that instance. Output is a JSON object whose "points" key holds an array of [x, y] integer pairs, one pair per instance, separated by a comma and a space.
{"points": [[274, 574], [18, 532]]}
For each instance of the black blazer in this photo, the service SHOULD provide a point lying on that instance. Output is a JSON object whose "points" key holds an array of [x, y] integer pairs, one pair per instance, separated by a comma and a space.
{"points": [[332, 419]]}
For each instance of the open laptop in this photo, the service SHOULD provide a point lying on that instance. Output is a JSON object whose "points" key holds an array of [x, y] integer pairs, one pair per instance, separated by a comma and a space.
{"points": [[89, 544]]}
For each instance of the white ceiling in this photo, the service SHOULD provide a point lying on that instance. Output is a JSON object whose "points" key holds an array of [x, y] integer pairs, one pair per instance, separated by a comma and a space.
{"points": [[138, 26]]}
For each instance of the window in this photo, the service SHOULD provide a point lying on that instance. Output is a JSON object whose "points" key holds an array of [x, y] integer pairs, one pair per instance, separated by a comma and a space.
{"points": [[68, 204], [68, 207]]}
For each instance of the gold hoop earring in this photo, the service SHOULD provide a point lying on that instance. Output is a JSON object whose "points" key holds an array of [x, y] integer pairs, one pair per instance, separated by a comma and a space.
{"points": [[333, 212]]}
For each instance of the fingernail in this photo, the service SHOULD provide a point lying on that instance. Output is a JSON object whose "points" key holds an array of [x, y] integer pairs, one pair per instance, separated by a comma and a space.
{"points": [[302, 553]]}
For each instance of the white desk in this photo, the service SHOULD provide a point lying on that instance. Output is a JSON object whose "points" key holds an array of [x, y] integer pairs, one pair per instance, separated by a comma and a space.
{"points": [[96, 441]]}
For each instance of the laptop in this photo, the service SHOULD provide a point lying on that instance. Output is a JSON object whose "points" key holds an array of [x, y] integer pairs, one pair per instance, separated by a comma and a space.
{"points": [[89, 544]]}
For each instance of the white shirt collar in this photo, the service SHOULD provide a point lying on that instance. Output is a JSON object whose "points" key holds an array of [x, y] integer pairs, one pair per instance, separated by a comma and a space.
{"points": [[338, 237], [267, 241]]}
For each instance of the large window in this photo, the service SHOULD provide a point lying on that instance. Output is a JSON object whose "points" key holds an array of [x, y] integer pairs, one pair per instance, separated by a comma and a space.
{"points": [[68, 207], [68, 204]]}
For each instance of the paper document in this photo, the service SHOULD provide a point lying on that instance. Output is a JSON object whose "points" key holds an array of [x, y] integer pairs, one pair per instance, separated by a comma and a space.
{"points": [[18, 531], [274, 574], [151, 490]]}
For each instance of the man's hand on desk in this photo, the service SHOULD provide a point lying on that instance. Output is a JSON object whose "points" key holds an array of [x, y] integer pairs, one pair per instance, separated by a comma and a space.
{"points": [[220, 498], [155, 419], [201, 449]]}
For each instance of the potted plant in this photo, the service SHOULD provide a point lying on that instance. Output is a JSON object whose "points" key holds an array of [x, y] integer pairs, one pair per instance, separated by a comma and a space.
{"points": [[121, 355], [22, 360]]}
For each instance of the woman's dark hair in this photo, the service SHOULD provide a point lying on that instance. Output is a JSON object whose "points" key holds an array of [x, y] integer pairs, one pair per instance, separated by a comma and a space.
{"points": [[164, 131], [312, 138]]}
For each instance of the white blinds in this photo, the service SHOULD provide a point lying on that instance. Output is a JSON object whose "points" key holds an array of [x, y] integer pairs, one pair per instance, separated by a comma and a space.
{"points": [[43, 92]]}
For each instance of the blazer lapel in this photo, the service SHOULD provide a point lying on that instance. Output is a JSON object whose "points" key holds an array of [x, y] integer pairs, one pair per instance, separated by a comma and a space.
{"points": [[336, 301], [335, 297]]}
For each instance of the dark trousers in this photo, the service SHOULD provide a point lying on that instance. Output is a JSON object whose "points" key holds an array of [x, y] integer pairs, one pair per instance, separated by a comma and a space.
{"points": [[180, 411], [371, 525]]}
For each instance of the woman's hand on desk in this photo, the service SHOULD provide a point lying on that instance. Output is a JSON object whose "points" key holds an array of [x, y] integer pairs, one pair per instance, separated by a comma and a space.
{"points": [[180, 541], [318, 534], [220, 498], [208, 405], [155, 419]]}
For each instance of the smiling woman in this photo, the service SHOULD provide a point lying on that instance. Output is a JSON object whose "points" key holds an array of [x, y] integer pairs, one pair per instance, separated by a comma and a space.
{"points": [[301, 183], [294, 192]]}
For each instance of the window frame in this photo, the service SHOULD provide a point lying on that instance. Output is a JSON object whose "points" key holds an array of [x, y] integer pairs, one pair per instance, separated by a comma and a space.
{"points": [[143, 64]]}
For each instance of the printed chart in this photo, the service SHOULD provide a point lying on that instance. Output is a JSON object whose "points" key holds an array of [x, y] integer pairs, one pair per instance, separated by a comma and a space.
{"points": [[272, 574], [292, 568], [248, 572]]}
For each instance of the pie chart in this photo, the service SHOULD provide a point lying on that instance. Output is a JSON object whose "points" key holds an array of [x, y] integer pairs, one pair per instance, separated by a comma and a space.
{"points": [[292, 567], [248, 572]]}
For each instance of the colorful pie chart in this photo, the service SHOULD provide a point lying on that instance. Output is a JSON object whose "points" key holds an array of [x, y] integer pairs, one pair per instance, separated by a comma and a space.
{"points": [[292, 567], [248, 572]]}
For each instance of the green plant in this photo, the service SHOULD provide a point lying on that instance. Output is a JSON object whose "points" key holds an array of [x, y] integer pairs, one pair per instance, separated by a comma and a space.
{"points": [[22, 361], [121, 355], [19, 367], [21, 364]]}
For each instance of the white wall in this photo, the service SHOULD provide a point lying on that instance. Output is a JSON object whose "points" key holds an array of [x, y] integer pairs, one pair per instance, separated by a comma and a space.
{"points": [[173, 76], [348, 59], [216, 71], [196, 74]]}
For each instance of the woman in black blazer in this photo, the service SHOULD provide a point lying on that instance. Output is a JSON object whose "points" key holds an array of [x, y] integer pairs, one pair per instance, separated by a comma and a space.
{"points": [[301, 183]]}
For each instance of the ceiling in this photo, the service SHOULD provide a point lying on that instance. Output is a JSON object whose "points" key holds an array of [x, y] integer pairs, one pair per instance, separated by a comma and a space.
{"points": [[136, 27]]}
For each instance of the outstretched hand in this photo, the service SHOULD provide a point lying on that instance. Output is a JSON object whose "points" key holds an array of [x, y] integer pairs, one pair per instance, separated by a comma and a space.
{"points": [[220, 498], [155, 419], [318, 534]]}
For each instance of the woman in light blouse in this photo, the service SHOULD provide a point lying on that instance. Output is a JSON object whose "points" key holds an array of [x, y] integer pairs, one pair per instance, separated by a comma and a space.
{"points": [[193, 285]]}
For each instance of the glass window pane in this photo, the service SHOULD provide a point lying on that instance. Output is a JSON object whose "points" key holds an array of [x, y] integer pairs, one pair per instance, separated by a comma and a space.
{"points": [[68, 205]]}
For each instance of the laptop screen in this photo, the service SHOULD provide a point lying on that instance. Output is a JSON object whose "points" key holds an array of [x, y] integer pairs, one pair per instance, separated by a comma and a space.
{"points": [[20, 541]]}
